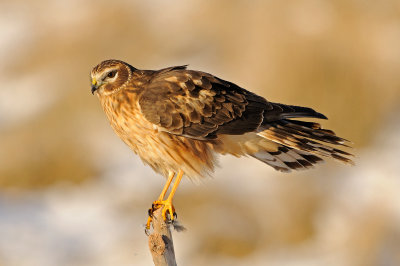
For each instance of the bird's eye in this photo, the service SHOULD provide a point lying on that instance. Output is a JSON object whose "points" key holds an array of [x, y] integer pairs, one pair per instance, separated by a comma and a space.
{"points": [[111, 74]]}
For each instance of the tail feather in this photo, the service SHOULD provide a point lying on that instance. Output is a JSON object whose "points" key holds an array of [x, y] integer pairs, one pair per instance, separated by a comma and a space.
{"points": [[311, 130], [271, 160], [306, 137], [287, 159], [288, 144]]}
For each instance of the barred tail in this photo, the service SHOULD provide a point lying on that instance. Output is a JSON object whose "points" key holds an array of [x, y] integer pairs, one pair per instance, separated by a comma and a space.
{"points": [[303, 143], [286, 159]]}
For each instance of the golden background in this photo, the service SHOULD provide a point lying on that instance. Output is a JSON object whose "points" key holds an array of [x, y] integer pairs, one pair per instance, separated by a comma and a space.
{"points": [[73, 194]]}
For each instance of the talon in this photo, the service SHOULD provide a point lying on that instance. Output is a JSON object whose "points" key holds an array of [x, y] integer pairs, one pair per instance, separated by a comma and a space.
{"points": [[150, 212], [168, 211], [147, 228], [168, 208]]}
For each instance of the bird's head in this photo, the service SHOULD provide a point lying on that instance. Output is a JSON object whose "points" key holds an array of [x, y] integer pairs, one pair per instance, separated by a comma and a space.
{"points": [[110, 76]]}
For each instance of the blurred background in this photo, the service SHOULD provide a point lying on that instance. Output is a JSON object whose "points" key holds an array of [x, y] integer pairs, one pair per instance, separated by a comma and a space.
{"points": [[71, 193]]}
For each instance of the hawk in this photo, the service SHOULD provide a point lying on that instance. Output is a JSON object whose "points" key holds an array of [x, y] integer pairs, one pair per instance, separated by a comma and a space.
{"points": [[178, 120]]}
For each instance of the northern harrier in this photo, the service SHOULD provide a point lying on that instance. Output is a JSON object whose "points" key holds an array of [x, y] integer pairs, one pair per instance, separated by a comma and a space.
{"points": [[178, 120]]}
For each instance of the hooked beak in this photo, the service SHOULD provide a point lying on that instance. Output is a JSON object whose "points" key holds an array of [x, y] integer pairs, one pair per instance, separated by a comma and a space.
{"points": [[94, 85]]}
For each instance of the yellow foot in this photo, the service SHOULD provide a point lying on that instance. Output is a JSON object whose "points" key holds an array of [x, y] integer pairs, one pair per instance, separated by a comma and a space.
{"points": [[168, 209]]}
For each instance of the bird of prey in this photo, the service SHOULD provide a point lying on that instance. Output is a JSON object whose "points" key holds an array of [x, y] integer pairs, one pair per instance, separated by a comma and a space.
{"points": [[178, 120]]}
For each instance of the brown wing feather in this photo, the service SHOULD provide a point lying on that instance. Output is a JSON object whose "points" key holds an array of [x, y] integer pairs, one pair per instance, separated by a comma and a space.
{"points": [[198, 105]]}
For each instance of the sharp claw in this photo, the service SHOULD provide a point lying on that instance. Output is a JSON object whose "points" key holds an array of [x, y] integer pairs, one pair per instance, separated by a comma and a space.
{"points": [[168, 212], [171, 215], [147, 228]]}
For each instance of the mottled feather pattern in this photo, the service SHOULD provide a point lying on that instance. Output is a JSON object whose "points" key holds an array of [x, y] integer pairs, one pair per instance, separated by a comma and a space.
{"points": [[199, 105], [178, 119]]}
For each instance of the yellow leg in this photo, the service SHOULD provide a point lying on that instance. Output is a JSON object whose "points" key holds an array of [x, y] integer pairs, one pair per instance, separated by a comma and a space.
{"points": [[165, 189], [166, 204], [176, 184]]}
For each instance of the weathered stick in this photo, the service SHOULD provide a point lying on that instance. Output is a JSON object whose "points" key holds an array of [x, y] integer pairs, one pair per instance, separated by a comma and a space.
{"points": [[160, 242]]}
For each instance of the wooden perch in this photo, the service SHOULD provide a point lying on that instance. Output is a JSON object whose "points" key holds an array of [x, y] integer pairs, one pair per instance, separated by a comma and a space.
{"points": [[160, 242]]}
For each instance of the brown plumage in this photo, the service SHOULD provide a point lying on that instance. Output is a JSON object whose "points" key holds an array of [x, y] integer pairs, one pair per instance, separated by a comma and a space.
{"points": [[178, 120]]}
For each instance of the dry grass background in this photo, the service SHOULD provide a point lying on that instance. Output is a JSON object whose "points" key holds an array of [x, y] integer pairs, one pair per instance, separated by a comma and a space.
{"points": [[73, 194]]}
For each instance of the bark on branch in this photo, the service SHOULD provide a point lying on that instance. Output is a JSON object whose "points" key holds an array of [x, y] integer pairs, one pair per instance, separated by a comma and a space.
{"points": [[160, 242]]}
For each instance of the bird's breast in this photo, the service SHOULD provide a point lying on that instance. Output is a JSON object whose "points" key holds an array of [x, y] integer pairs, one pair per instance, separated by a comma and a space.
{"points": [[159, 149]]}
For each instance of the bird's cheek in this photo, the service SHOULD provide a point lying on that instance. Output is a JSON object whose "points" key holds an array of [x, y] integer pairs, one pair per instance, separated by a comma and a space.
{"points": [[107, 87], [100, 90]]}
